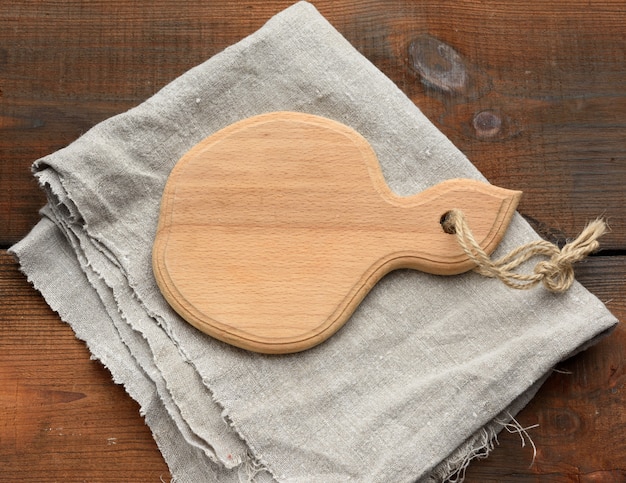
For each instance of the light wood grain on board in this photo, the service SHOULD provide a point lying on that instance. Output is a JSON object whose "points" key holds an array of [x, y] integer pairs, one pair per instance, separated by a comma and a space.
{"points": [[274, 229]]}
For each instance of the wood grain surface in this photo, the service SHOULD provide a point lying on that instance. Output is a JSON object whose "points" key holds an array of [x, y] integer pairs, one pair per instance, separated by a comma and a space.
{"points": [[532, 92], [288, 248]]}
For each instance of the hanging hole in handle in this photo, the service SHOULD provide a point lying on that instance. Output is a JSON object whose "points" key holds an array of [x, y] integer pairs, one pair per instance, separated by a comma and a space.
{"points": [[446, 223]]}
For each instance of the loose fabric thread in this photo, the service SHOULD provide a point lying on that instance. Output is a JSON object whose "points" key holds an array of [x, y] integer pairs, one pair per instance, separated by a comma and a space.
{"points": [[556, 273]]}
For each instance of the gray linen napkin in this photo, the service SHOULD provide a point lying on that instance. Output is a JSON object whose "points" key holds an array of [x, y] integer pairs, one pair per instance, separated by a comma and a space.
{"points": [[421, 378]]}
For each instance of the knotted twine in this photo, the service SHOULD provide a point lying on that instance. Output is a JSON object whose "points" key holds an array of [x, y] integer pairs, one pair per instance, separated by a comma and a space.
{"points": [[556, 273]]}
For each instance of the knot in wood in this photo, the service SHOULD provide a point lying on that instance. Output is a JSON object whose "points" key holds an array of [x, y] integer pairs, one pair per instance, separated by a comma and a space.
{"points": [[439, 65]]}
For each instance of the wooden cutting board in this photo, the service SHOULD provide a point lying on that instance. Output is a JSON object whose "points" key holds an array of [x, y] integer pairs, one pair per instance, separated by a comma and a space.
{"points": [[274, 229]]}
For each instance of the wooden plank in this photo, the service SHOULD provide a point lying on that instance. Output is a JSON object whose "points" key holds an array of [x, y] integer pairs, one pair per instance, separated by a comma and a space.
{"points": [[67, 420], [63, 419], [542, 108]]}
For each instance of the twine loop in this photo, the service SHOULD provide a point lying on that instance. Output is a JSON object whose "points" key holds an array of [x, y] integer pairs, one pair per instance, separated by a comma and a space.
{"points": [[556, 272]]}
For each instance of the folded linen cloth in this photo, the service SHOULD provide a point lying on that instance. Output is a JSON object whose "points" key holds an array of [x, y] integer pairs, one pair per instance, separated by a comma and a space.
{"points": [[421, 378]]}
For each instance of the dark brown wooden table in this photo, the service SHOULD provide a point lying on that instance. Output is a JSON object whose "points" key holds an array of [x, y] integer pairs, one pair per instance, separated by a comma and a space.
{"points": [[534, 93]]}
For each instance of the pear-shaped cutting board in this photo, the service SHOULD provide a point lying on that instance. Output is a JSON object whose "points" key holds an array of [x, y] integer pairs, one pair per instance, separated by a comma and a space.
{"points": [[274, 229]]}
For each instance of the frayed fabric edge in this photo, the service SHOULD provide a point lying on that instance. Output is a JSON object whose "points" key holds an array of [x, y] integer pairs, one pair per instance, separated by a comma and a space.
{"points": [[453, 469], [481, 444]]}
